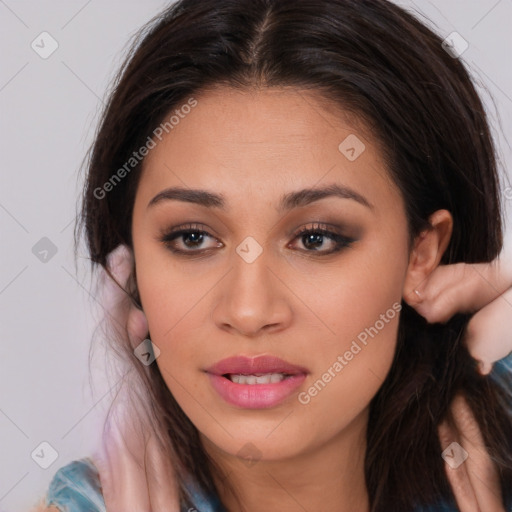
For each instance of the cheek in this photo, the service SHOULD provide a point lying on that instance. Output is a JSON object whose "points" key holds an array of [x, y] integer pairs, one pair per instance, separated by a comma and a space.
{"points": [[166, 293], [351, 367], [175, 303], [352, 295], [362, 312]]}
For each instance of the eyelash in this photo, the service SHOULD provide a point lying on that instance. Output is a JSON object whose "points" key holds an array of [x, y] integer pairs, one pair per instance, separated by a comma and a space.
{"points": [[341, 241]]}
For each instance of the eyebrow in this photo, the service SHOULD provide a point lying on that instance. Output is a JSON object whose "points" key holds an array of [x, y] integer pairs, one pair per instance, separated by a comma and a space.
{"points": [[288, 201]]}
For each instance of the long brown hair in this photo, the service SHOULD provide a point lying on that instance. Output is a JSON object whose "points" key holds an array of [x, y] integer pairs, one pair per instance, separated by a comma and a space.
{"points": [[377, 61]]}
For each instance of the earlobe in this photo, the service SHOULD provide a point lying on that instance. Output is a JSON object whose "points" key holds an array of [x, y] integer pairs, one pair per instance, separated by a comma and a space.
{"points": [[429, 247]]}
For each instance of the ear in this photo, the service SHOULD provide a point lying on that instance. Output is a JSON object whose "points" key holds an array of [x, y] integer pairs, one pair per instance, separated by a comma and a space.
{"points": [[427, 251]]}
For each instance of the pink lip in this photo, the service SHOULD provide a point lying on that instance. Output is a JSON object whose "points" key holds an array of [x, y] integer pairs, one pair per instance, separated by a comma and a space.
{"points": [[250, 365], [255, 396]]}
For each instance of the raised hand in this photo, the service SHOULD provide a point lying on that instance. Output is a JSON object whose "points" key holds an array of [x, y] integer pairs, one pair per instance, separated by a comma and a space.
{"points": [[135, 476], [484, 289]]}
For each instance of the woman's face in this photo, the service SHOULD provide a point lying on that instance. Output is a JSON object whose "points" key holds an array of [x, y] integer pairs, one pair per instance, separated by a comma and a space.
{"points": [[313, 315]]}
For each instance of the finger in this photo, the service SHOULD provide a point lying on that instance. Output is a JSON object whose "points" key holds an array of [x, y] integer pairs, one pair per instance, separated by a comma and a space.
{"points": [[161, 478], [487, 335], [455, 469], [119, 262], [121, 470], [123, 482], [112, 292], [450, 289], [495, 278], [113, 297], [437, 297], [137, 326], [484, 368], [482, 471]]}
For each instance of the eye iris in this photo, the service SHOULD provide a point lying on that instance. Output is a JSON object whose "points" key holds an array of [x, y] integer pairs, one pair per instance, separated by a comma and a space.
{"points": [[195, 237], [312, 239]]}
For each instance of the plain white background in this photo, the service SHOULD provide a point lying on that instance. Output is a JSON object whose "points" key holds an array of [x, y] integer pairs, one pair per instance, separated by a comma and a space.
{"points": [[49, 108]]}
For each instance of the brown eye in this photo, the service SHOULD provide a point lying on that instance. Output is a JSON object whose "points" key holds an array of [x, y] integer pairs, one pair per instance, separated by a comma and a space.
{"points": [[314, 240], [188, 239]]}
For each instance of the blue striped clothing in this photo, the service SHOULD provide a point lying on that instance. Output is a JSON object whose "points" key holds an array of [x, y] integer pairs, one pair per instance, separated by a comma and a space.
{"points": [[76, 488]]}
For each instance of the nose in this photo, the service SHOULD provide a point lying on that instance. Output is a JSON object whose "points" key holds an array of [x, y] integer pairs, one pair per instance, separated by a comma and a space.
{"points": [[252, 299]]}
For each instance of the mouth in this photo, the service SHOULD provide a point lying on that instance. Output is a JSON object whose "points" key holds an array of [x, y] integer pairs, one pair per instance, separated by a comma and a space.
{"points": [[258, 367], [257, 378], [257, 382]]}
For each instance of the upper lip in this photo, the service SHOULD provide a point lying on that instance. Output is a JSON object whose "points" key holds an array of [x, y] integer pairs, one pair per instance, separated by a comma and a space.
{"points": [[252, 365]]}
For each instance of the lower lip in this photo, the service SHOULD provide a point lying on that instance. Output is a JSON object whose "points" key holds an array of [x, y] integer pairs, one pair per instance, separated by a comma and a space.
{"points": [[255, 396]]}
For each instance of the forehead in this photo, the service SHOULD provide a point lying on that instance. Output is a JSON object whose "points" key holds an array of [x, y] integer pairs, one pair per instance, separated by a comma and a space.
{"points": [[267, 138]]}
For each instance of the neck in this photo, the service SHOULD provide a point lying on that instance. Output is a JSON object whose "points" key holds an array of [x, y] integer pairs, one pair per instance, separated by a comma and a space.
{"points": [[328, 477]]}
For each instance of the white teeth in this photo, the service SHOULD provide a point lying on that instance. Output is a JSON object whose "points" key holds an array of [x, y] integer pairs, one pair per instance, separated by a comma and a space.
{"points": [[276, 377], [267, 378]]}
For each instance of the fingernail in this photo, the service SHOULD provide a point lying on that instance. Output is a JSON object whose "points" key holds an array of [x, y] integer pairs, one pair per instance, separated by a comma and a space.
{"points": [[415, 297]]}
